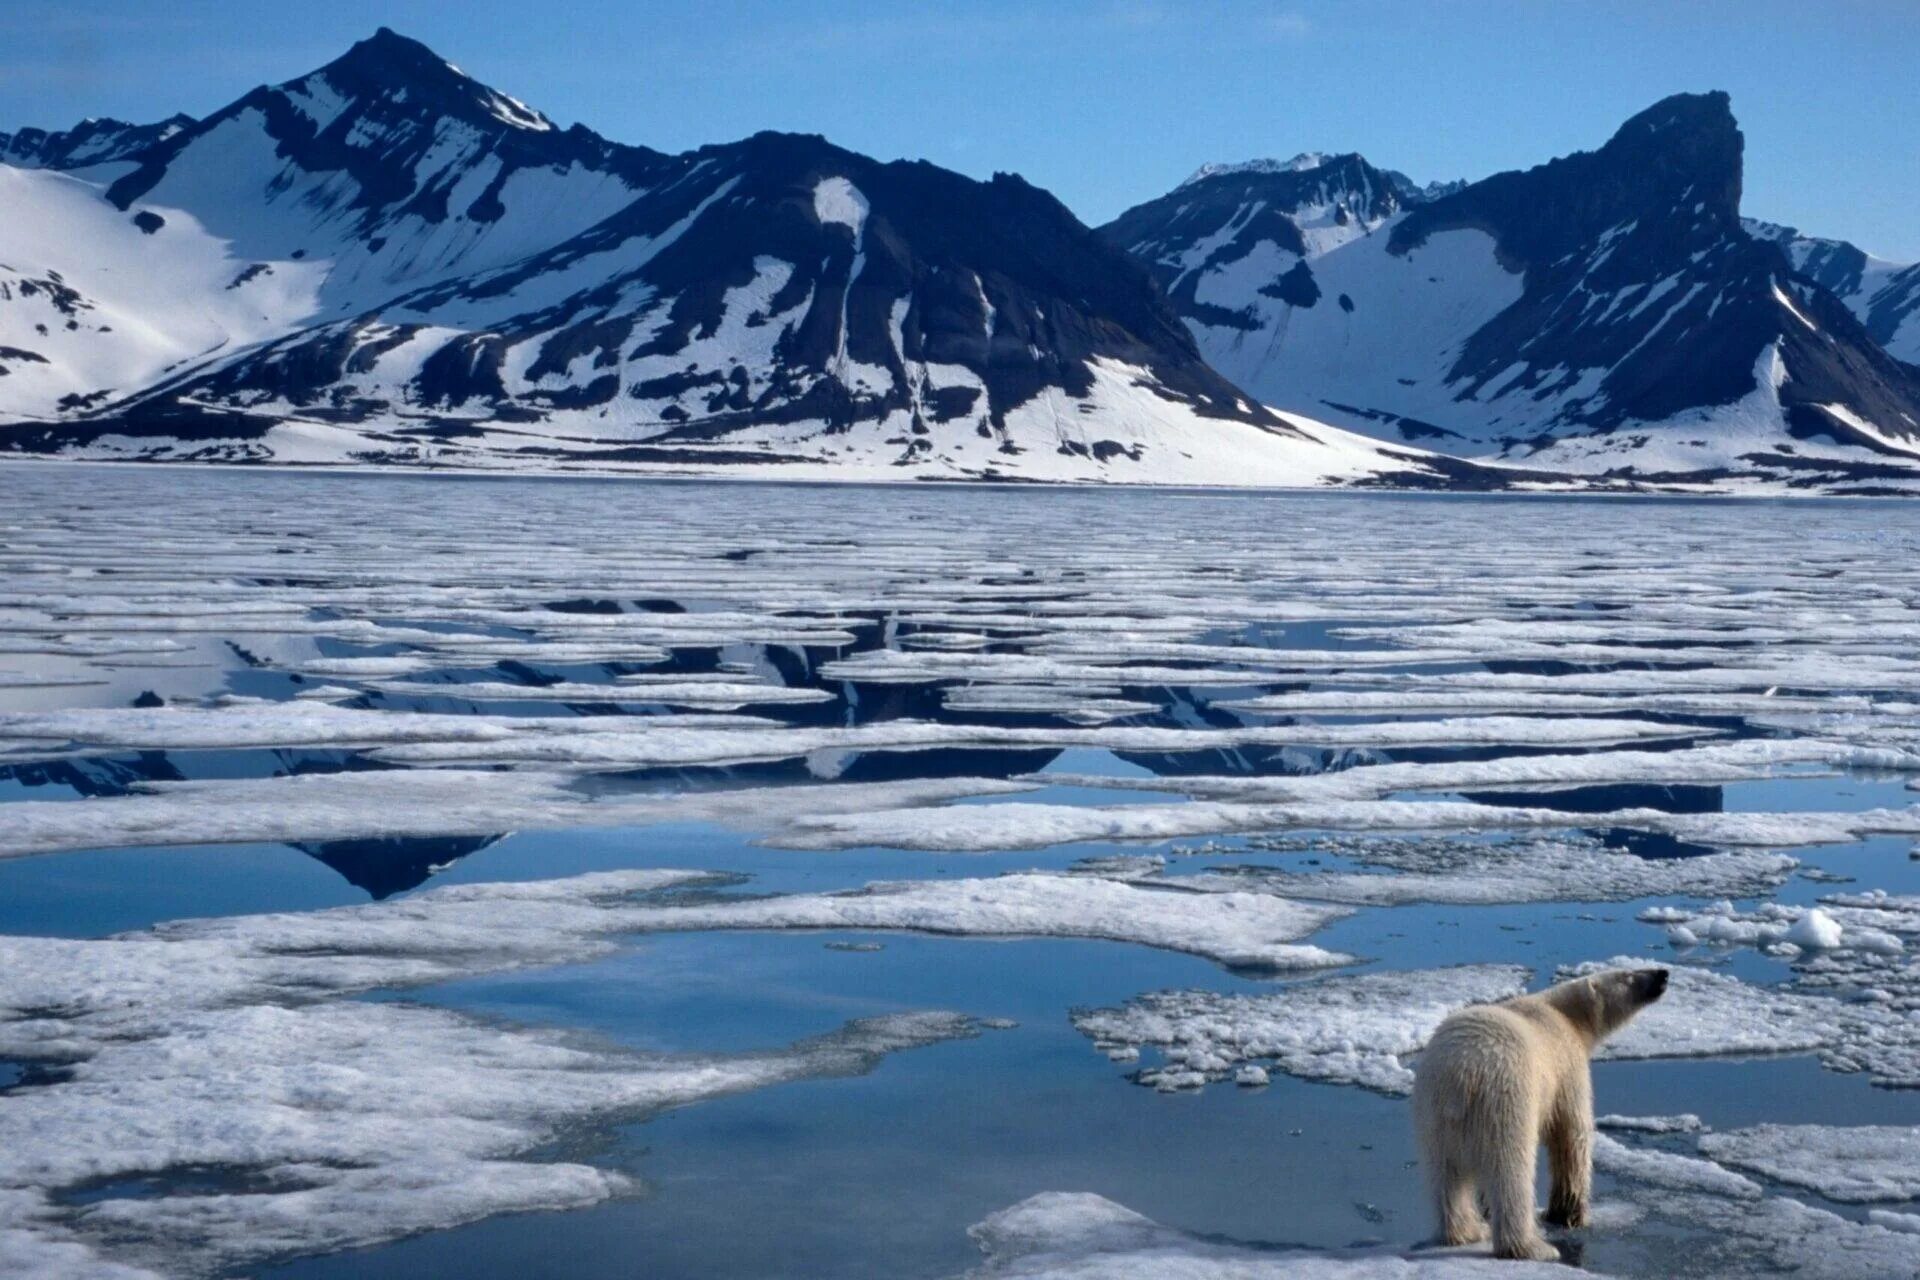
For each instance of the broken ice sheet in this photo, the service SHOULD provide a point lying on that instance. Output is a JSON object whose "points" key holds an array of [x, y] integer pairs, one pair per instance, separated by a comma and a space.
{"points": [[225, 1044], [1233, 927], [1345, 1030], [1711, 1014], [1680, 617], [717, 694], [635, 743], [1031, 826], [1746, 1233], [1853, 1165], [1079, 1236], [1354, 799], [422, 802], [1360, 1028], [1570, 868]]}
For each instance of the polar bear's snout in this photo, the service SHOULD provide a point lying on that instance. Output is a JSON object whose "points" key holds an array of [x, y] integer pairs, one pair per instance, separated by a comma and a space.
{"points": [[1652, 984]]}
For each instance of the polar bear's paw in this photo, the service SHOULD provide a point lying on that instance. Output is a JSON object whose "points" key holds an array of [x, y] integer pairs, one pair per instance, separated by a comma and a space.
{"points": [[1531, 1249]]}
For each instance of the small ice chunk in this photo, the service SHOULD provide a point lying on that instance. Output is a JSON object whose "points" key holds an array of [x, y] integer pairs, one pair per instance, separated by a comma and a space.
{"points": [[1816, 930], [1686, 1122]]}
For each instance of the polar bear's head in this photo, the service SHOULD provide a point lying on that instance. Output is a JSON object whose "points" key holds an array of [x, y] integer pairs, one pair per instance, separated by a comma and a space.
{"points": [[1601, 1003]]}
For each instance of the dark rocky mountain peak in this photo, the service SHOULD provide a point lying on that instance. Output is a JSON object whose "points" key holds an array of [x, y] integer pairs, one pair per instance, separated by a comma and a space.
{"points": [[1672, 172]]}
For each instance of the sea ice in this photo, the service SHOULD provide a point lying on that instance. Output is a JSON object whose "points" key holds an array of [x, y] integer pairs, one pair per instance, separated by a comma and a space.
{"points": [[1347, 1030], [1858, 1165], [1060, 1235], [1458, 870], [223, 1044], [1237, 928], [421, 802]]}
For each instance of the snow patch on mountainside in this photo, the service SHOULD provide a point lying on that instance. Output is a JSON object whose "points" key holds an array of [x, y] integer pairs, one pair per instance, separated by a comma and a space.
{"points": [[1382, 320], [837, 200], [92, 302]]}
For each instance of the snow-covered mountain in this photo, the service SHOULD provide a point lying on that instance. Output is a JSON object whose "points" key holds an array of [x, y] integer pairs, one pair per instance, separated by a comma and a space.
{"points": [[95, 141], [1409, 189], [385, 261], [1884, 295], [1605, 312]]}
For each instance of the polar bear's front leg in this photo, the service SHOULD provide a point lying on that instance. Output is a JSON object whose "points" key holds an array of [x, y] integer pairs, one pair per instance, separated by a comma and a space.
{"points": [[1570, 1154]]}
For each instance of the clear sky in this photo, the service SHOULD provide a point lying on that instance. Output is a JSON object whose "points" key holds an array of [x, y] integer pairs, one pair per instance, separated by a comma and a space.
{"points": [[1106, 102]]}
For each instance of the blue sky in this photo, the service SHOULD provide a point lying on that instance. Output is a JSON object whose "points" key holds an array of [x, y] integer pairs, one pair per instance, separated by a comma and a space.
{"points": [[1107, 102]]}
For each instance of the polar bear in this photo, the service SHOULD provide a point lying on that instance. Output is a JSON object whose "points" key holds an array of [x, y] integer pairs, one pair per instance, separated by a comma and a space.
{"points": [[1498, 1080]]}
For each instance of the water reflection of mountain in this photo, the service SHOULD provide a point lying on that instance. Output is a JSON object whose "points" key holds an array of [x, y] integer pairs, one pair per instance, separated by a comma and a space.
{"points": [[1622, 795], [849, 766], [118, 775], [91, 776], [386, 866]]}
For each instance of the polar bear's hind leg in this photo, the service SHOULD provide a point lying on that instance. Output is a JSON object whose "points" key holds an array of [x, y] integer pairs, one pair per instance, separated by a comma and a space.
{"points": [[1458, 1207]]}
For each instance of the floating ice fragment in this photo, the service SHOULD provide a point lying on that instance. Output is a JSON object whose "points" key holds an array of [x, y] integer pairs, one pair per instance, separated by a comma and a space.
{"points": [[1469, 870], [1684, 1123], [1248, 930], [1669, 1170], [1815, 929], [1348, 1030], [423, 802], [1857, 1165], [1059, 1235]]}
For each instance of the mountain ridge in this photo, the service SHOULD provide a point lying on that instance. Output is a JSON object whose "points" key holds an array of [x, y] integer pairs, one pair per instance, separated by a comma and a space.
{"points": [[1605, 312], [384, 261]]}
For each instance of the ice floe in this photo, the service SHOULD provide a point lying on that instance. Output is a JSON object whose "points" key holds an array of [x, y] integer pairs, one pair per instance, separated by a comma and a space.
{"points": [[1359, 1028], [636, 743], [1670, 1171], [1776, 927], [224, 1045], [1060, 1235], [422, 802], [722, 695], [1686, 1122], [1460, 870], [1853, 1165], [1031, 826], [1237, 928], [1710, 1014], [1346, 1030]]}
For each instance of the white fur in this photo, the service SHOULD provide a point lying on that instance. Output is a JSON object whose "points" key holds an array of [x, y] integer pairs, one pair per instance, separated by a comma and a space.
{"points": [[1499, 1080]]}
